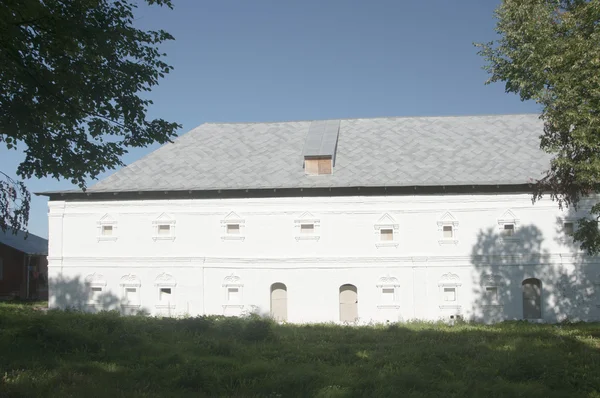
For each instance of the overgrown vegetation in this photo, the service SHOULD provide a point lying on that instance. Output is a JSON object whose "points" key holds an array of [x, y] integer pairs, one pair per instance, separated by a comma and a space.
{"points": [[72, 354]]}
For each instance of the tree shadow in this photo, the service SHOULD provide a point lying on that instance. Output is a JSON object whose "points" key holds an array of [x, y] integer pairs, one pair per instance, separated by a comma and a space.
{"points": [[79, 295], [512, 272]]}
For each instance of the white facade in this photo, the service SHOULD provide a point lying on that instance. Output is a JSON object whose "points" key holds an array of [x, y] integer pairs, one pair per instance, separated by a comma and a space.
{"points": [[406, 257]]}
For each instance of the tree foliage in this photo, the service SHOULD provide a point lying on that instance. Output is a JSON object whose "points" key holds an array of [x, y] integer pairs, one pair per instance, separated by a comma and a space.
{"points": [[72, 80], [549, 52]]}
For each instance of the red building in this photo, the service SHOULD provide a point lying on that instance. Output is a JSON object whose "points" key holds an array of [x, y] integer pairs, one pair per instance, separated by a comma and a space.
{"points": [[23, 266]]}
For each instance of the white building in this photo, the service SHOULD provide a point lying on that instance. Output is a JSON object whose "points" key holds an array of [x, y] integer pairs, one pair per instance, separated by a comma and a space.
{"points": [[355, 220]]}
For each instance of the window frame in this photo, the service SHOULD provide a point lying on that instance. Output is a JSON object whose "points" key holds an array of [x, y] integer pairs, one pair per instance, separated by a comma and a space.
{"points": [[165, 281], [449, 280], [233, 281], [95, 281], [232, 219], [106, 221], [447, 220], [388, 282], [161, 221], [307, 218], [508, 218], [493, 281], [130, 281], [387, 222]]}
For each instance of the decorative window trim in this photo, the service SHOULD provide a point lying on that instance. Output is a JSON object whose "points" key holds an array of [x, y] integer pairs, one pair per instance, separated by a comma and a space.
{"points": [[389, 282], [233, 218], [449, 280], [165, 280], [107, 220], [496, 281], [233, 281], [163, 219], [386, 222], [130, 281], [95, 280], [307, 218], [447, 219], [566, 238], [507, 218]]}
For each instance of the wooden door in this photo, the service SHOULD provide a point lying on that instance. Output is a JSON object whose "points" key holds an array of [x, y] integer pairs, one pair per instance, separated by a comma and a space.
{"points": [[279, 302], [348, 303], [532, 303]]}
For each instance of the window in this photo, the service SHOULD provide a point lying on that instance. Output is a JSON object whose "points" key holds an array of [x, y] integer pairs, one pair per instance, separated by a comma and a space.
{"points": [[131, 294], [96, 292], [448, 234], [318, 165], [165, 284], [491, 294], [96, 283], [233, 229], [107, 229], [307, 228], [386, 230], [387, 295], [164, 230], [449, 294], [449, 286], [233, 301], [131, 291], [568, 228], [508, 225], [165, 293], [447, 225], [509, 230], [233, 295], [387, 235]]}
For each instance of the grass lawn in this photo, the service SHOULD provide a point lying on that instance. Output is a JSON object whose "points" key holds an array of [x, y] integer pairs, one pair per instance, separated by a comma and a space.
{"points": [[82, 355]]}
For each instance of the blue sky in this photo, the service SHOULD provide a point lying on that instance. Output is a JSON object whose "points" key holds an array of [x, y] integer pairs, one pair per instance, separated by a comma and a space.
{"points": [[265, 60]]}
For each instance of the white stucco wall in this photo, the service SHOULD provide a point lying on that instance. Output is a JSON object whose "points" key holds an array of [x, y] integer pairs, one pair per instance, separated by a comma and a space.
{"points": [[199, 260]]}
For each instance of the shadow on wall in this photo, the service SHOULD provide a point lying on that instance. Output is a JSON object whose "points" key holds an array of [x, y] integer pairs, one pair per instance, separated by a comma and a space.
{"points": [[517, 278], [77, 294]]}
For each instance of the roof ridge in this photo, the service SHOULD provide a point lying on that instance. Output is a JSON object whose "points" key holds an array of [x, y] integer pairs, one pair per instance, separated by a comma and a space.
{"points": [[377, 117]]}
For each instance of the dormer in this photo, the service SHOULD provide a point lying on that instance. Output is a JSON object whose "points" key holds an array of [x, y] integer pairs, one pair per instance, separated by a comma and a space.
{"points": [[320, 147]]}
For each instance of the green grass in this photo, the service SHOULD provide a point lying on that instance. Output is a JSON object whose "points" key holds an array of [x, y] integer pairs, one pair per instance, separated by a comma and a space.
{"points": [[82, 355]]}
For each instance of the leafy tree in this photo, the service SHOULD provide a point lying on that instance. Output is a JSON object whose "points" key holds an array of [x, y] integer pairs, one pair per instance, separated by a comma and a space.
{"points": [[549, 52], [72, 75]]}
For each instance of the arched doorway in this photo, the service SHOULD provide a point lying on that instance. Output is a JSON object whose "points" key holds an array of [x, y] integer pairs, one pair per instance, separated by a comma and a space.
{"points": [[348, 303], [279, 301], [532, 298]]}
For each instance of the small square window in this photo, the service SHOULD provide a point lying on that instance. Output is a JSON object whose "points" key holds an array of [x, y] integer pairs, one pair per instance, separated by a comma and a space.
{"points": [[131, 294], [96, 292], [509, 230], [165, 293], [448, 232], [491, 294], [233, 229], [387, 234], [387, 294], [449, 294], [164, 230], [107, 230], [569, 228], [307, 228], [233, 294]]}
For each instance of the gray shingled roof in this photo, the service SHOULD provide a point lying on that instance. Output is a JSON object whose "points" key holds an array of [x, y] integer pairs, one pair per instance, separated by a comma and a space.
{"points": [[32, 245], [401, 151]]}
